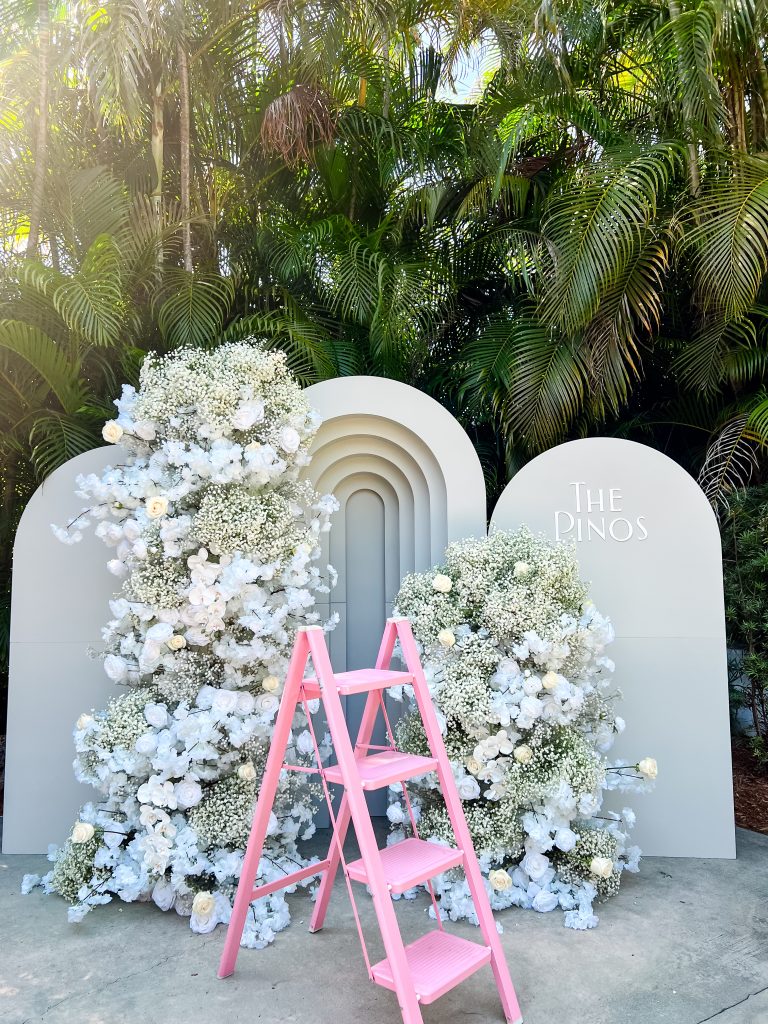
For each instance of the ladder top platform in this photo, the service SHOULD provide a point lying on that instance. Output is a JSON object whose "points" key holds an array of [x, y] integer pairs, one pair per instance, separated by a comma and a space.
{"points": [[361, 681]]}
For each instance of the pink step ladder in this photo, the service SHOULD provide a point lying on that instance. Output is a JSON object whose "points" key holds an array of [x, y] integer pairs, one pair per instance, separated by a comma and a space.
{"points": [[425, 969]]}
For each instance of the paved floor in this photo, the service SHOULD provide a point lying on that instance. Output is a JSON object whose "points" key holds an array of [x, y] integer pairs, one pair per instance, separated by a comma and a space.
{"points": [[684, 942]]}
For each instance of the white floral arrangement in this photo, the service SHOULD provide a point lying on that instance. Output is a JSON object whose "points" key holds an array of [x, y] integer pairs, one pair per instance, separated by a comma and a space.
{"points": [[215, 540], [514, 656]]}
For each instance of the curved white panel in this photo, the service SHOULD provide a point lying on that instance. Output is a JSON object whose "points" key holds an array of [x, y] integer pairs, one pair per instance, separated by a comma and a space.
{"points": [[407, 477], [647, 539], [59, 606]]}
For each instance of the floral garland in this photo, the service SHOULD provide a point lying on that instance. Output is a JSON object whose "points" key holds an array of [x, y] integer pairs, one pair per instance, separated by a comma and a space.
{"points": [[215, 538], [514, 657]]}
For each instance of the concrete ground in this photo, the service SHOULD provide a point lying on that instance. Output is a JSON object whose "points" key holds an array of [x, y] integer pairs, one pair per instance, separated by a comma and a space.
{"points": [[683, 943]]}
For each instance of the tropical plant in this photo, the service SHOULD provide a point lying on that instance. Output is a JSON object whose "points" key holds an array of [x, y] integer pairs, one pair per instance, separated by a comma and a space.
{"points": [[745, 560]]}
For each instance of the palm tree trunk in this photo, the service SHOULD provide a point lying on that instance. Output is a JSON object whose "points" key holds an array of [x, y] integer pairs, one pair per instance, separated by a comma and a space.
{"points": [[762, 91], [158, 131], [41, 135], [184, 144], [693, 156], [157, 144]]}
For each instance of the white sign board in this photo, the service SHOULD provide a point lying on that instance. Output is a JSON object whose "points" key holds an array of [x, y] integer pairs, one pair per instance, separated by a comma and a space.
{"points": [[648, 541]]}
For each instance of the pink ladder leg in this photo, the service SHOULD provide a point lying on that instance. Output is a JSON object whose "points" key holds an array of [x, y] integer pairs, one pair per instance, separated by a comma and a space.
{"points": [[453, 803], [364, 734], [264, 804], [382, 901]]}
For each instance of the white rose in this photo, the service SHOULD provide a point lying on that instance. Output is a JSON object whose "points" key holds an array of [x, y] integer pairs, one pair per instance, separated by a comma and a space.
{"points": [[145, 429], [245, 703], [203, 905], [224, 702], [446, 637], [305, 744], [157, 506], [82, 832], [161, 632], [115, 667], [523, 754], [521, 569], [188, 793], [247, 414], [601, 866], [468, 787], [83, 721], [112, 431], [146, 743], [648, 768], [474, 767], [442, 583], [550, 680], [535, 865], [500, 880], [247, 772], [289, 439], [266, 702], [156, 715], [565, 839], [271, 684], [176, 642]]}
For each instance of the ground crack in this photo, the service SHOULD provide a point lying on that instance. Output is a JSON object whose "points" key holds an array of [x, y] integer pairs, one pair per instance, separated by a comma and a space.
{"points": [[738, 1002]]}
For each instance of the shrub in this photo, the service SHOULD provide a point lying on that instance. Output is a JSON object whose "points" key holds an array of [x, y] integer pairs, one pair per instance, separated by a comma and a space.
{"points": [[745, 573]]}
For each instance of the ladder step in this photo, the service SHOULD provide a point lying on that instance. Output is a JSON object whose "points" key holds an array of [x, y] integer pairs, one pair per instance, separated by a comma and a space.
{"points": [[389, 766], [360, 681], [438, 961], [410, 862]]}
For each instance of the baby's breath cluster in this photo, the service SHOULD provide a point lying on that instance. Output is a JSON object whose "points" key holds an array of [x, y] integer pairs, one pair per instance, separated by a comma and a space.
{"points": [[223, 816], [216, 539], [74, 870], [514, 654]]}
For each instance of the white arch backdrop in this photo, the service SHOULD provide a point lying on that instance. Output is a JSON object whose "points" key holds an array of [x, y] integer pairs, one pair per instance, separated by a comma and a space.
{"points": [[648, 540], [408, 481]]}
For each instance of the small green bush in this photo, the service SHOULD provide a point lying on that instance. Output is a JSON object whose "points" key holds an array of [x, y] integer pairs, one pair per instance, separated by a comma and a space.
{"points": [[745, 572]]}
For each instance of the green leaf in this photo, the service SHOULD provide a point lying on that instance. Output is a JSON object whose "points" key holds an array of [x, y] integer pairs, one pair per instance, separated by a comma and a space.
{"points": [[194, 313], [91, 301], [57, 437], [46, 359]]}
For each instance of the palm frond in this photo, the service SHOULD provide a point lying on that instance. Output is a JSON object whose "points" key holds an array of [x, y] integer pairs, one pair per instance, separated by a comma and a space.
{"points": [[191, 308], [728, 464]]}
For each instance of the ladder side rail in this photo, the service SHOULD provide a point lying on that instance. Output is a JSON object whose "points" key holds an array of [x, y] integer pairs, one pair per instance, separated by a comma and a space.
{"points": [[358, 809], [337, 844], [343, 818], [265, 802], [458, 821], [364, 734]]}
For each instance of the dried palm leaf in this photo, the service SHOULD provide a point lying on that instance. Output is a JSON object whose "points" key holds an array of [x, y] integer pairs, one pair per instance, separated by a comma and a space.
{"points": [[296, 122]]}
